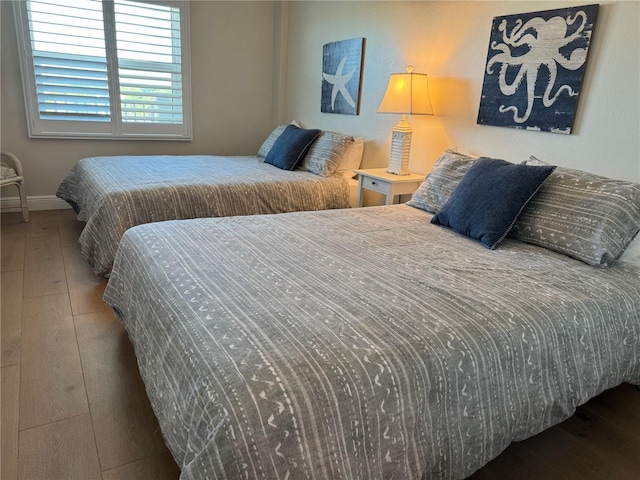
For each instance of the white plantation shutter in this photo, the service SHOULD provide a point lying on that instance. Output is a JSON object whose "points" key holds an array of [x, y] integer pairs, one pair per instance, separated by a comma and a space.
{"points": [[71, 88], [71, 82], [105, 69], [150, 82]]}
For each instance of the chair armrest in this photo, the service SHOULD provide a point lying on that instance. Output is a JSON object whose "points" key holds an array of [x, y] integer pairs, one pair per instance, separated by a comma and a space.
{"points": [[12, 161]]}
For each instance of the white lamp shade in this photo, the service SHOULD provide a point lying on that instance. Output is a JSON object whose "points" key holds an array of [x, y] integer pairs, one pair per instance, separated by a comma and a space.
{"points": [[407, 93]]}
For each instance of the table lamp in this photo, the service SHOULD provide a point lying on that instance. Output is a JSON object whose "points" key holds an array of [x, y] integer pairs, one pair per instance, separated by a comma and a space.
{"points": [[408, 94]]}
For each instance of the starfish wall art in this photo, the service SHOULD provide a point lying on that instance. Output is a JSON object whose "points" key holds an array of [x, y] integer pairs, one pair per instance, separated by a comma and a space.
{"points": [[341, 75]]}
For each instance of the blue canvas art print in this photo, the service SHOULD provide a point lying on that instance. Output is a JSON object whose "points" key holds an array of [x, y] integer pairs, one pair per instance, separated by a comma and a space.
{"points": [[534, 69], [341, 67]]}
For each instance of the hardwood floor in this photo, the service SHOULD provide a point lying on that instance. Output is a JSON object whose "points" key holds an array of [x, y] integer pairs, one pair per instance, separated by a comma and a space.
{"points": [[73, 403], [74, 406]]}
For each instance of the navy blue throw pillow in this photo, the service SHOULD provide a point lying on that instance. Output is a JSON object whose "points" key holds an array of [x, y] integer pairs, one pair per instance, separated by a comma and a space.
{"points": [[489, 198], [291, 147]]}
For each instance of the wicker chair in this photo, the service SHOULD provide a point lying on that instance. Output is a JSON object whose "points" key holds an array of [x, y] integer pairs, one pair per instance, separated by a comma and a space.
{"points": [[11, 174]]}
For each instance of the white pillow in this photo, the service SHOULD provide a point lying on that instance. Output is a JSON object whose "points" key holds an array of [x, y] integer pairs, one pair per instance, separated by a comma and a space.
{"points": [[631, 254], [351, 159]]}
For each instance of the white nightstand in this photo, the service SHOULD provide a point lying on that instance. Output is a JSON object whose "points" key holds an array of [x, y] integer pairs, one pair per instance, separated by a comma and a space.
{"points": [[389, 184]]}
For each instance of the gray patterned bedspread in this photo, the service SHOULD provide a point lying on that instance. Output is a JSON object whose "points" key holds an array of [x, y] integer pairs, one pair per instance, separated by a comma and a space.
{"points": [[362, 343], [112, 194]]}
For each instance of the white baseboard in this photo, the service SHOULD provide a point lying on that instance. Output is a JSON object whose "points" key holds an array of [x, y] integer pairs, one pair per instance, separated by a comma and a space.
{"points": [[41, 202]]}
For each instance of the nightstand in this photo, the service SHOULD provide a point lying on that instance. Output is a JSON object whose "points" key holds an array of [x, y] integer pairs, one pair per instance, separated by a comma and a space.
{"points": [[389, 184]]}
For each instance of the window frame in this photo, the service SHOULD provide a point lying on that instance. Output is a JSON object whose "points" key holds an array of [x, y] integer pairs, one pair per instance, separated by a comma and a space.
{"points": [[115, 129]]}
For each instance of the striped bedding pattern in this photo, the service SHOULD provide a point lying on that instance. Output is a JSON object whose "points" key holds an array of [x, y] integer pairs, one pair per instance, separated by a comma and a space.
{"points": [[112, 194], [362, 343]]}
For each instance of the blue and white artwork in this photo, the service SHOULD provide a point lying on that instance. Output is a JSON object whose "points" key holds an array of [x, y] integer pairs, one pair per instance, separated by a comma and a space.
{"points": [[341, 68], [534, 69]]}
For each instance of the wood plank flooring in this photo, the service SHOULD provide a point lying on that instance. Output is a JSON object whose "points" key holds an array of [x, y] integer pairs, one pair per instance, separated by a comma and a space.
{"points": [[73, 403], [74, 406]]}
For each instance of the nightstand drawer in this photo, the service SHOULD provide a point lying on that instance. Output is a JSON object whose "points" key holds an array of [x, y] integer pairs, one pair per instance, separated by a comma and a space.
{"points": [[375, 184], [390, 185]]}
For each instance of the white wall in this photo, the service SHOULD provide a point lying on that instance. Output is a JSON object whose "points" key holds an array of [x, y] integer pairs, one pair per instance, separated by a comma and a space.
{"points": [[241, 85], [448, 40], [232, 72]]}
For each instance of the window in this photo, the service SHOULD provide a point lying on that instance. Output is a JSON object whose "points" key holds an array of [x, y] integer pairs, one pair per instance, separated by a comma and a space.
{"points": [[105, 69]]}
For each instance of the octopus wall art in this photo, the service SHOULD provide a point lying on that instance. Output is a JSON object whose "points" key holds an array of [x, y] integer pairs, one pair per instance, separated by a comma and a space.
{"points": [[534, 69]]}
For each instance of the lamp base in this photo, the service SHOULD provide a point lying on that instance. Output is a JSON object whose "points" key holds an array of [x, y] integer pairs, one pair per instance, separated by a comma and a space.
{"points": [[400, 149]]}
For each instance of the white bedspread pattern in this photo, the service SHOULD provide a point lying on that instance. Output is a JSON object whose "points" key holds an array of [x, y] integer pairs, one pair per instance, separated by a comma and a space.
{"points": [[362, 343], [112, 194]]}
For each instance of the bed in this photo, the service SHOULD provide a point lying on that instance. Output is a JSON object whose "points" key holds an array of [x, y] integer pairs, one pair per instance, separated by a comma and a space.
{"points": [[112, 194], [366, 343]]}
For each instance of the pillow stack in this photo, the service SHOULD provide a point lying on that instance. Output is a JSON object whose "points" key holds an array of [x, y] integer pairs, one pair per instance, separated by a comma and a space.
{"points": [[588, 217], [489, 198], [290, 148], [324, 153]]}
